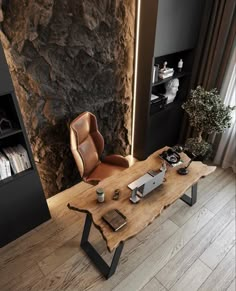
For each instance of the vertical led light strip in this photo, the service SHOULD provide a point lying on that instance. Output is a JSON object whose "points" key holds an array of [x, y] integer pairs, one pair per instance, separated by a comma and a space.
{"points": [[135, 73]]}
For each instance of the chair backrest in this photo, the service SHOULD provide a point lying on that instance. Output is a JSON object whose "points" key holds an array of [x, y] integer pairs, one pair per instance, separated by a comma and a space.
{"points": [[86, 142]]}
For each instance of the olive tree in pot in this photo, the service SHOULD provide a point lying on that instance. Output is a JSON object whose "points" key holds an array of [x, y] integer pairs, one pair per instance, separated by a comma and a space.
{"points": [[207, 114]]}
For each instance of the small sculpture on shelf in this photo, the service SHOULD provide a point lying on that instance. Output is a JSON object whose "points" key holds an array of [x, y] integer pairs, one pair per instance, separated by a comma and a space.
{"points": [[166, 72], [171, 89]]}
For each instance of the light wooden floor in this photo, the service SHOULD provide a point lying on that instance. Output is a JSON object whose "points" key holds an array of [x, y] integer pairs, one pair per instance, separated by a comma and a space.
{"points": [[186, 248]]}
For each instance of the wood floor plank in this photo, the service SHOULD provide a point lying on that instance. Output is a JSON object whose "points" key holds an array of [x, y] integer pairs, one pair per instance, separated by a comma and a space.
{"points": [[206, 191], [193, 278], [153, 285], [162, 218], [40, 236], [232, 286], [13, 269], [222, 197], [179, 264], [220, 247], [77, 273], [25, 280], [153, 264], [17, 260], [222, 277], [135, 256], [69, 249], [94, 278]]}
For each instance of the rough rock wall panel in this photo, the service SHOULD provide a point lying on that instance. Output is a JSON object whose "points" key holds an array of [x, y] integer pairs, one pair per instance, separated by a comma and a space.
{"points": [[66, 57]]}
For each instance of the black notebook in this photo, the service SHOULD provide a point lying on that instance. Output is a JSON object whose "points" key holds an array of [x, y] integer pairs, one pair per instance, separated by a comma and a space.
{"points": [[115, 219]]}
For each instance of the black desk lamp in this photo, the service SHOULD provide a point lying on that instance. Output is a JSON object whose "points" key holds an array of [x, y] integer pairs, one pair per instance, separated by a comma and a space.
{"points": [[184, 170]]}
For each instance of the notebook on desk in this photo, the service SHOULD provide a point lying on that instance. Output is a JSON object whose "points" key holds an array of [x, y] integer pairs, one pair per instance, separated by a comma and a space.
{"points": [[115, 219]]}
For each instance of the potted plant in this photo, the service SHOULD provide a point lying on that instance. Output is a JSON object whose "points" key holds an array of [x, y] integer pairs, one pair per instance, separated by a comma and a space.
{"points": [[207, 114]]}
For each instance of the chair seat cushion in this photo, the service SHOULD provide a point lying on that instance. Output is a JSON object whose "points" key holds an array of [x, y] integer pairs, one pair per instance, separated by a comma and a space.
{"points": [[102, 171]]}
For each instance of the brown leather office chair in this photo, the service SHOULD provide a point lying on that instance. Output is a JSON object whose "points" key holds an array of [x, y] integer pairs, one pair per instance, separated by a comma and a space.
{"points": [[87, 145]]}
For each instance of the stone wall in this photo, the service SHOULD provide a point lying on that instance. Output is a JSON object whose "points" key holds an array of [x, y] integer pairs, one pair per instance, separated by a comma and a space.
{"points": [[66, 57]]}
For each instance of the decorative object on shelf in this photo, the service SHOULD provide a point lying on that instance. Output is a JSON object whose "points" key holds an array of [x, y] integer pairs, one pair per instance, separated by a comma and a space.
{"points": [[171, 89], [207, 114], [155, 74], [180, 65], [100, 195], [165, 72], [5, 123]]}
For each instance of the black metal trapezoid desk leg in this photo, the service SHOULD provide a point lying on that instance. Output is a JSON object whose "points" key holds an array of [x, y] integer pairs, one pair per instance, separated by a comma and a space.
{"points": [[193, 199], [94, 256]]}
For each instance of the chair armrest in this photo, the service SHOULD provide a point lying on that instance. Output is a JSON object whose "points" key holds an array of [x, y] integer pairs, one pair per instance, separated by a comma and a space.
{"points": [[116, 160]]}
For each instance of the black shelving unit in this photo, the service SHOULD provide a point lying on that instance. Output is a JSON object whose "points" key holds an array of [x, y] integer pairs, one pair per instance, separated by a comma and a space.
{"points": [[22, 202], [165, 125], [158, 127]]}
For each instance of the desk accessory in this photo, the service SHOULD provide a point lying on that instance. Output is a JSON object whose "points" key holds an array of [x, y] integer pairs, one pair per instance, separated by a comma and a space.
{"points": [[115, 219], [184, 170], [134, 197], [156, 180], [171, 157], [150, 181], [116, 194], [100, 195]]}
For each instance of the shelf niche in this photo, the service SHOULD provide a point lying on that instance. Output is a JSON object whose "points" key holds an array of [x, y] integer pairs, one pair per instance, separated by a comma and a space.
{"points": [[22, 202]]}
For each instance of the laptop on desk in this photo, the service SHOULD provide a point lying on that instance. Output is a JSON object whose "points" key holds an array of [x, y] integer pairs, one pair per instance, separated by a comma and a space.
{"points": [[147, 182], [152, 184]]}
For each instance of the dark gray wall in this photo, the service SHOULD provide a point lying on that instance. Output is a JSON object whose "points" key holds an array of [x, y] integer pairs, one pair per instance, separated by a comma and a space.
{"points": [[178, 23], [5, 78]]}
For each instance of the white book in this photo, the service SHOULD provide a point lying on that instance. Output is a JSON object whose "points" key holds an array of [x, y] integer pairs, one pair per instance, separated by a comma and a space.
{"points": [[8, 153], [5, 167], [25, 156], [2, 170], [19, 159], [164, 76], [15, 159]]}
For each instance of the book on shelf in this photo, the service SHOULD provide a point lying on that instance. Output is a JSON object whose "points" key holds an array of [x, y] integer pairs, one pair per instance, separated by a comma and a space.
{"points": [[115, 219], [5, 170], [166, 75], [18, 158]]}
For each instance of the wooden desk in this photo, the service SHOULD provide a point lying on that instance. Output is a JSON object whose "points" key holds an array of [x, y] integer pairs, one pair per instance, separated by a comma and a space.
{"points": [[138, 215]]}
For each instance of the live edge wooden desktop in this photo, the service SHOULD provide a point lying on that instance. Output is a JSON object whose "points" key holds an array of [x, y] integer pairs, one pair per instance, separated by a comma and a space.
{"points": [[138, 215]]}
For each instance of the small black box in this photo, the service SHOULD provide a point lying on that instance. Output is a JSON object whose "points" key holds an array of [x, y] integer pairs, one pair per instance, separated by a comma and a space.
{"points": [[158, 103]]}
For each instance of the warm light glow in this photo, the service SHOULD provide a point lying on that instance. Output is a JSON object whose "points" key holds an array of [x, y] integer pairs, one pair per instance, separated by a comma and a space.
{"points": [[135, 73]]}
